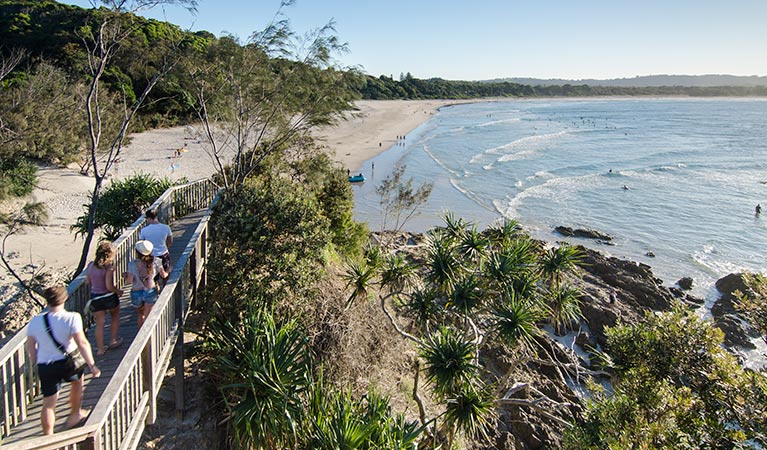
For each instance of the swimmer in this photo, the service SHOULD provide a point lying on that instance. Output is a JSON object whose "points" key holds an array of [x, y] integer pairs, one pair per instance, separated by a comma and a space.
{"points": [[625, 188], [758, 209]]}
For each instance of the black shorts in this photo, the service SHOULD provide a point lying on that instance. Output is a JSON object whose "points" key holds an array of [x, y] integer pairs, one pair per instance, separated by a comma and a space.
{"points": [[102, 302], [51, 376]]}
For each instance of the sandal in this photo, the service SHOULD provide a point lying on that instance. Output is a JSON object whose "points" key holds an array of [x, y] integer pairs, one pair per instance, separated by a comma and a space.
{"points": [[100, 353], [115, 344]]}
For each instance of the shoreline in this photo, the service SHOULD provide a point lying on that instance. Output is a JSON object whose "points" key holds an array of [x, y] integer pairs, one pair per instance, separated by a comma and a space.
{"points": [[53, 247]]}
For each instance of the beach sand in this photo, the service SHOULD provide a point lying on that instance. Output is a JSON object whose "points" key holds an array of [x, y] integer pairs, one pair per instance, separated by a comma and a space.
{"points": [[370, 129]]}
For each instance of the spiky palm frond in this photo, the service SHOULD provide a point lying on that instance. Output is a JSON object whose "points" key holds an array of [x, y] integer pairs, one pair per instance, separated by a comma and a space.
{"points": [[444, 266], [515, 260], [454, 229], [359, 277], [396, 273], [449, 361], [471, 411], [514, 322], [557, 261], [564, 306], [467, 295], [473, 245], [422, 306], [373, 256], [501, 234], [264, 369]]}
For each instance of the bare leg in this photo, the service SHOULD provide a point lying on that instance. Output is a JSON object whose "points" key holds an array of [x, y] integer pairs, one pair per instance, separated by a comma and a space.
{"points": [[147, 309], [48, 415], [75, 400], [114, 315], [101, 318], [140, 315]]}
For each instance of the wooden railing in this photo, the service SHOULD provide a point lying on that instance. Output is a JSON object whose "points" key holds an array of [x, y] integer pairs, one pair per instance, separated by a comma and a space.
{"points": [[129, 400]]}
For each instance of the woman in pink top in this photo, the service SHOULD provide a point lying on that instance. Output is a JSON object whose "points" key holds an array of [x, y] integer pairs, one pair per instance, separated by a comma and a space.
{"points": [[105, 296]]}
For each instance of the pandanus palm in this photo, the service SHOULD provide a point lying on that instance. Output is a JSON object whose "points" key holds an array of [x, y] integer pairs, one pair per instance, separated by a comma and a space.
{"points": [[444, 266], [359, 276], [396, 274], [264, 370], [467, 295], [516, 259], [564, 306], [557, 261], [423, 308], [470, 411], [500, 234], [514, 320], [449, 361], [472, 246]]}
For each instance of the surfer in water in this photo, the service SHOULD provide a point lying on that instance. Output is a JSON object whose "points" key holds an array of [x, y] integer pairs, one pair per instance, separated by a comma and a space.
{"points": [[625, 188], [758, 209]]}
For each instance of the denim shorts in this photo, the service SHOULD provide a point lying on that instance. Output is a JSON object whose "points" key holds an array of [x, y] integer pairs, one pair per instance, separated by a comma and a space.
{"points": [[140, 298], [51, 376]]}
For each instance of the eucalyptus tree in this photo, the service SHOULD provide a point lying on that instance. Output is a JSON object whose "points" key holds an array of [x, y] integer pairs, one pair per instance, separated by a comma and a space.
{"points": [[263, 96], [103, 37]]}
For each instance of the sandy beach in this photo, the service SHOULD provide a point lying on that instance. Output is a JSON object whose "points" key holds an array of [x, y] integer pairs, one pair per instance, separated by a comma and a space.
{"points": [[368, 130]]}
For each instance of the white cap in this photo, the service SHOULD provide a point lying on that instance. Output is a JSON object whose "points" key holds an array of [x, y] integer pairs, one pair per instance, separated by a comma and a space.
{"points": [[144, 247]]}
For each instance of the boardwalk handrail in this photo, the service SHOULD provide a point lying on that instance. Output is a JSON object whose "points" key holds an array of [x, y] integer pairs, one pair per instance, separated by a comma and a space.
{"points": [[108, 427]]}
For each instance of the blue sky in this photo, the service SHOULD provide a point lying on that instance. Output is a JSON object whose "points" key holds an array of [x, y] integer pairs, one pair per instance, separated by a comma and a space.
{"points": [[483, 39]]}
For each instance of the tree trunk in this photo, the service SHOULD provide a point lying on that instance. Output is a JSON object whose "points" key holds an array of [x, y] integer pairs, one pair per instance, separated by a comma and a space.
{"points": [[91, 225]]}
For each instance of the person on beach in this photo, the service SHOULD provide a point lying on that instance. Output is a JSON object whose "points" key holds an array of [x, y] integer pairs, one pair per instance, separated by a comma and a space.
{"points": [[758, 209], [105, 296], [140, 275], [161, 237], [67, 328]]}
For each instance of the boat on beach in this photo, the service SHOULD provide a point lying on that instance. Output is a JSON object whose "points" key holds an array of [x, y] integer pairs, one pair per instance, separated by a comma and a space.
{"points": [[359, 178]]}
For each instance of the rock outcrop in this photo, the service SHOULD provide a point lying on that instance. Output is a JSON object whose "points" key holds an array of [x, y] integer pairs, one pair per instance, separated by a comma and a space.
{"points": [[736, 331], [583, 233], [616, 289]]}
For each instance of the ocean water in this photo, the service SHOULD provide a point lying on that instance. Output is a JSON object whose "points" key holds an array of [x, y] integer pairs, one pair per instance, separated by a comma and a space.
{"points": [[695, 169]]}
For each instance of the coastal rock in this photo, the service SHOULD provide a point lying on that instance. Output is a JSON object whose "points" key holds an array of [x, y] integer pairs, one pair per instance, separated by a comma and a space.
{"points": [[736, 331], [685, 283], [633, 286], [583, 233]]}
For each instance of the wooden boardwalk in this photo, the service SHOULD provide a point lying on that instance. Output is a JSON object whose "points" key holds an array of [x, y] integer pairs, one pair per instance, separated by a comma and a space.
{"points": [[183, 229]]}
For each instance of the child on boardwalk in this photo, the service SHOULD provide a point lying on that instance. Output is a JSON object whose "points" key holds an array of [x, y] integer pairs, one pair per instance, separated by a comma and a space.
{"points": [[140, 275]]}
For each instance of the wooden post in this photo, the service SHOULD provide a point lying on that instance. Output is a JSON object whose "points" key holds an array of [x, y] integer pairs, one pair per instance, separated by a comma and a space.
{"points": [[147, 363], [179, 351]]}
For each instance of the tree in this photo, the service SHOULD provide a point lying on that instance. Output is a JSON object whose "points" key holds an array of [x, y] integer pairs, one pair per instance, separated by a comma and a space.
{"points": [[103, 38], [678, 389], [262, 98], [399, 199], [29, 214]]}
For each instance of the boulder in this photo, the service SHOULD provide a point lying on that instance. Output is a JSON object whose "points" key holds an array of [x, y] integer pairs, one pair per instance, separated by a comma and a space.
{"points": [[634, 287], [685, 283], [737, 332], [583, 233]]}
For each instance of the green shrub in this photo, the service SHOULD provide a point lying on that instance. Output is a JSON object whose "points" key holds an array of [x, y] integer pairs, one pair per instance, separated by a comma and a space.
{"points": [[18, 178], [122, 202]]}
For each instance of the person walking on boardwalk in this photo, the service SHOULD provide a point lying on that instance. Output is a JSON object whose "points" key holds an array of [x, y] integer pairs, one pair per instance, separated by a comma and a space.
{"points": [[161, 237], [140, 275], [105, 296], [45, 334]]}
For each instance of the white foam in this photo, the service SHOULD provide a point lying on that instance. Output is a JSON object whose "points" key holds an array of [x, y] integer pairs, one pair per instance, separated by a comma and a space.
{"points": [[536, 139], [496, 122]]}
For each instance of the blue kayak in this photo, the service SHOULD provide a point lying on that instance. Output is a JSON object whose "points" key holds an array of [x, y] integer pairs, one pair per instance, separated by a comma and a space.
{"points": [[359, 178]]}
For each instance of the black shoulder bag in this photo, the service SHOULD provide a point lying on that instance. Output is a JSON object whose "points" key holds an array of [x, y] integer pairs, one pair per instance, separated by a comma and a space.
{"points": [[75, 362]]}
